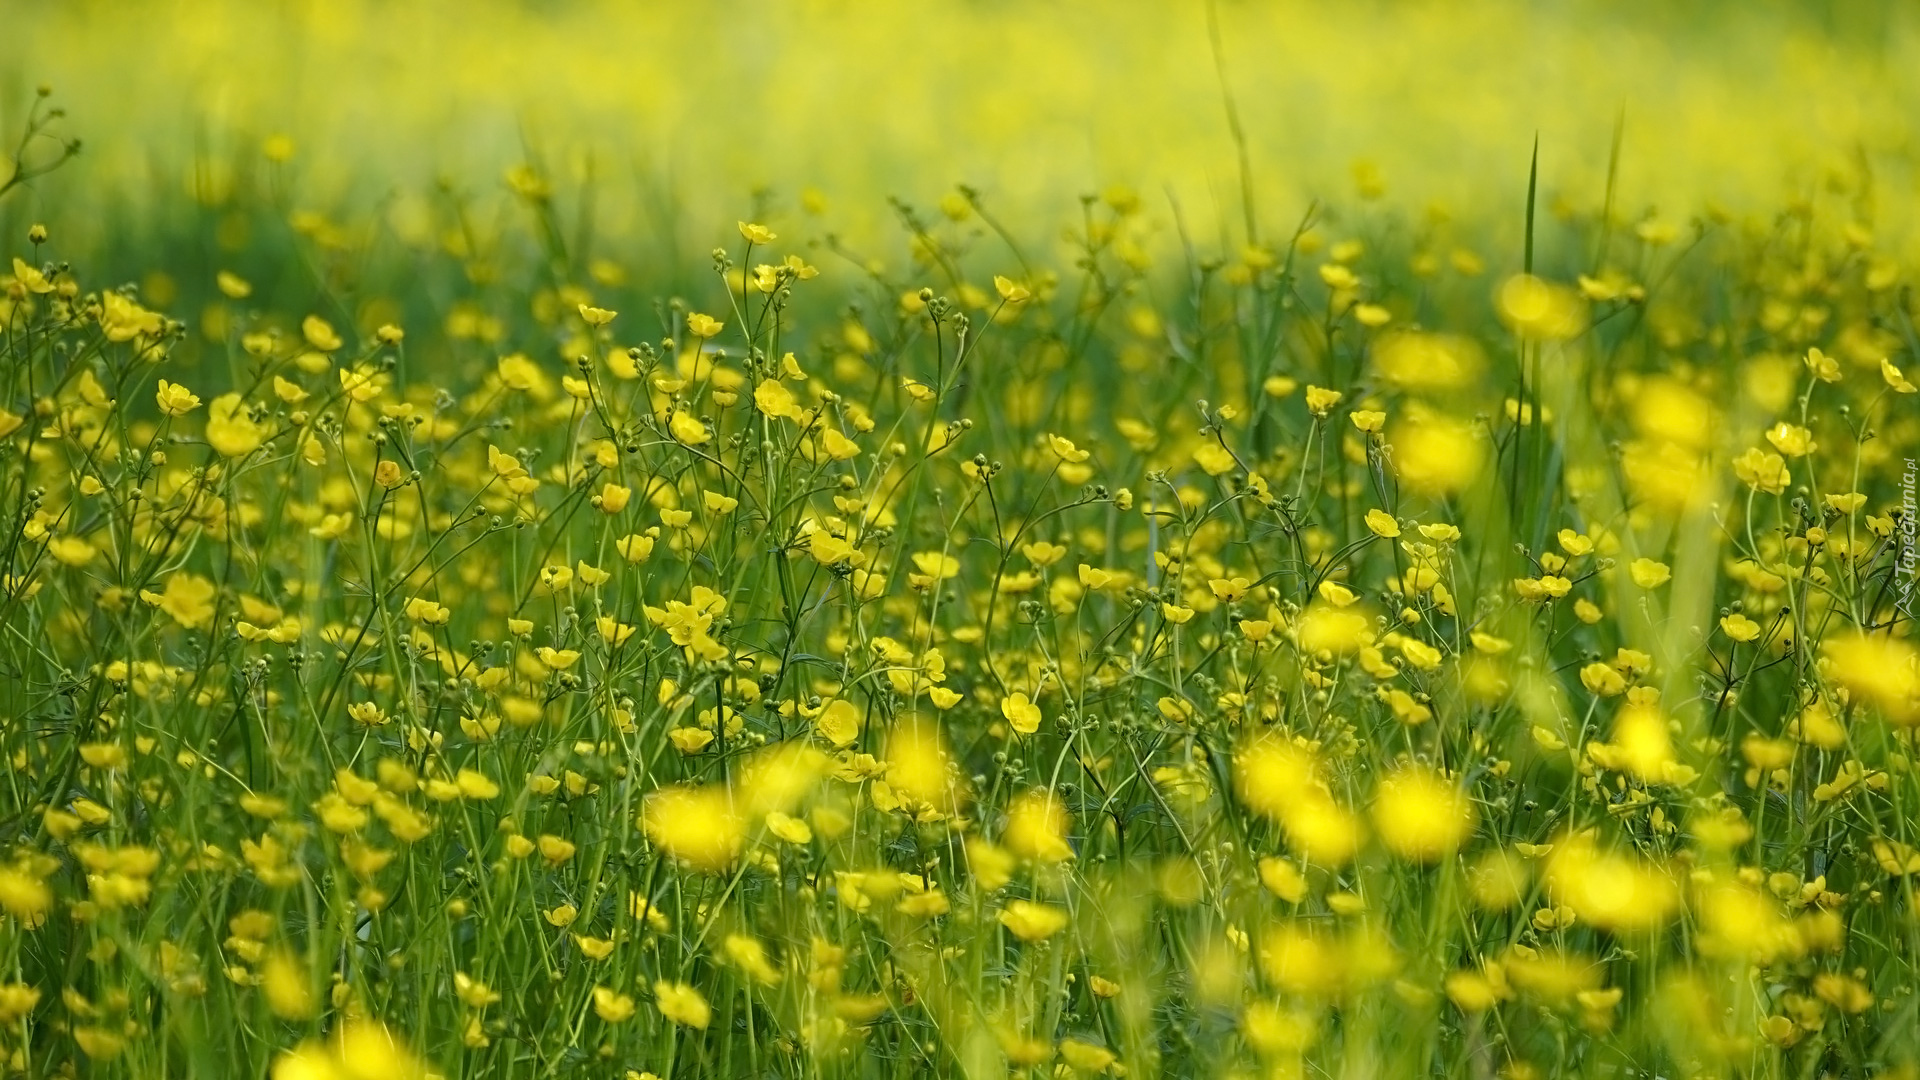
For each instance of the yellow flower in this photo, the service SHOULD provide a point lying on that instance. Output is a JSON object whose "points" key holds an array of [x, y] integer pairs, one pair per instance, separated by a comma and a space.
{"points": [[1573, 543], [594, 948], [319, 333], [1791, 440], [24, 896], [1611, 891], [420, 609], [388, 474], [475, 785], [681, 1004], [611, 1005], [838, 722], [1382, 524], [231, 429], [71, 550], [635, 547], [613, 631], [1037, 826], [555, 849], [1321, 401], [1881, 670], [1064, 449], [1337, 276], [360, 386], [557, 659], [1086, 1057], [125, 320], [1283, 879], [175, 400], [1021, 712], [757, 234], [690, 740], [1824, 367], [788, 828], [1472, 991], [773, 399], [31, 278], [1031, 922], [1436, 454], [1739, 627], [703, 326], [1229, 590], [838, 446], [697, 825], [17, 1000], [688, 429], [518, 372], [595, 316], [187, 598], [99, 1043], [1214, 459], [1541, 589], [1762, 471], [1602, 679], [287, 986], [1421, 816], [1894, 379], [1539, 309], [473, 993], [1649, 574], [749, 956]]}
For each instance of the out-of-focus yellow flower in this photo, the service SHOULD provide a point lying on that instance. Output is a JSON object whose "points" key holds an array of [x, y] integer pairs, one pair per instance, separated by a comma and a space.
{"points": [[697, 825], [1031, 922], [1421, 816], [1037, 826], [611, 1005], [681, 1004], [1539, 309], [1613, 891], [1878, 669]]}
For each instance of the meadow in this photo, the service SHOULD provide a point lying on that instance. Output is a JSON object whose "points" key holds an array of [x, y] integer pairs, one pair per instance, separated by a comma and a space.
{"points": [[1227, 540]]}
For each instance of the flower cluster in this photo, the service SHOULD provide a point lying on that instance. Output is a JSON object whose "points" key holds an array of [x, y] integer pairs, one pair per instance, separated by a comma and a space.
{"points": [[1328, 655]]}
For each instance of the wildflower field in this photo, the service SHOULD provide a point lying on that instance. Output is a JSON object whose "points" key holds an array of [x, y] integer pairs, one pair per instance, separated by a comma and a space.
{"points": [[1145, 539]]}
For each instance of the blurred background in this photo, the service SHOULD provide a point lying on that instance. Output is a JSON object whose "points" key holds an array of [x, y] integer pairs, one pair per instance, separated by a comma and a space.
{"points": [[670, 120]]}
